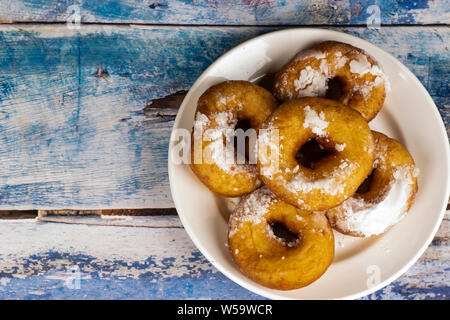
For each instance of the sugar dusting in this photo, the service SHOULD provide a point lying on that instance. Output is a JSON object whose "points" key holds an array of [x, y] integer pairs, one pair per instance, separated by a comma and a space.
{"points": [[360, 67], [315, 121], [216, 151], [314, 81], [374, 218], [289, 244], [309, 53], [340, 60], [269, 149], [252, 208], [328, 184], [340, 147]]}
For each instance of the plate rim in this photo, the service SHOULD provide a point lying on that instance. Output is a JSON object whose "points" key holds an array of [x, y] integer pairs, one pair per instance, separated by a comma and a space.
{"points": [[247, 285]]}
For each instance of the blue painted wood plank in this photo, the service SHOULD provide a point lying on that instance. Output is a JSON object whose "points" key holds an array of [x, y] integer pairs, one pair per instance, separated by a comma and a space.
{"points": [[74, 129], [36, 262], [400, 12], [224, 12]]}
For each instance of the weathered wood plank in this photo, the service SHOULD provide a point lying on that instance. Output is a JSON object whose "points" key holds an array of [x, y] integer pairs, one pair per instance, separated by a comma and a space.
{"points": [[234, 12], [38, 258], [77, 124], [163, 221]]}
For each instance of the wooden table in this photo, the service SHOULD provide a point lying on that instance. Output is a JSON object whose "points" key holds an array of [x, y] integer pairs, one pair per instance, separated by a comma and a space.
{"points": [[85, 117]]}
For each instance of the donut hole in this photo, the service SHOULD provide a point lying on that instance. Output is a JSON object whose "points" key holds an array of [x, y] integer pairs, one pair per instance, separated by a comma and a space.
{"points": [[334, 91], [243, 151], [284, 234], [311, 153], [364, 187]]}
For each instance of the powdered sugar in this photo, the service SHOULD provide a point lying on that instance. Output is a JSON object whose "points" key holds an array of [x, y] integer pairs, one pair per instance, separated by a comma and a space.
{"points": [[252, 208], [340, 147], [201, 122], [312, 82], [366, 88], [328, 184], [315, 121], [361, 66], [269, 148], [310, 53], [216, 151], [284, 242], [374, 218], [340, 60]]}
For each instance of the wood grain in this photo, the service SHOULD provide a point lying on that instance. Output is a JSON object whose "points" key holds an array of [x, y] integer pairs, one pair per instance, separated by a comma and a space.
{"points": [[227, 12], [85, 117], [82, 122], [38, 258]]}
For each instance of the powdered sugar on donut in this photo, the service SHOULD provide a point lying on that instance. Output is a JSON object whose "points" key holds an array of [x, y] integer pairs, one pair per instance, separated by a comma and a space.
{"points": [[374, 218], [271, 234], [340, 60], [340, 147], [315, 121], [269, 148], [361, 66], [216, 150], [313, 82], [252, 208], [366, 88], [327, 184], [310, 53], [201, 122]]}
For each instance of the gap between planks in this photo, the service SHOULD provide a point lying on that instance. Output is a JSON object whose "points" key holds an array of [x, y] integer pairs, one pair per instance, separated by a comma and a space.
{"points": [[148, 218], [175, 25], [213, 26]]}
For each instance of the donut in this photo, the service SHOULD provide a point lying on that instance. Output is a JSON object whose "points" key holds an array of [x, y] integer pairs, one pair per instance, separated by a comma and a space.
{"points": [[361, 83], [219, 110], [278, 245], [340, 130], [384, 198]]}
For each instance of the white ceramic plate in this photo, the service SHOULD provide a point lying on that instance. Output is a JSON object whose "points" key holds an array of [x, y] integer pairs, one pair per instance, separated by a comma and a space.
{"points": [[361, 266]]}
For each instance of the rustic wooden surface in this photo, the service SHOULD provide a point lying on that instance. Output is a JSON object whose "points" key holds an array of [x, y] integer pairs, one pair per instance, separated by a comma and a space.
{"points": [[86, 116], [226, 12], [38, 261], [77, 105]]}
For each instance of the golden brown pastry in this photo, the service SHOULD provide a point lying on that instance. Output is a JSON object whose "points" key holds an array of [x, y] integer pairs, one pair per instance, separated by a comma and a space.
{"points": [[340, 130], [218, 111], [279, 245], [386, 195], [361, 80]]}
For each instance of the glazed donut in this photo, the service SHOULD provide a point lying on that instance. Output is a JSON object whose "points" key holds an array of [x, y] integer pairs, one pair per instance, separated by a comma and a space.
{"points": [[334, 178], [390, 192], [362, 82], [218, 110], [279, 245]]}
